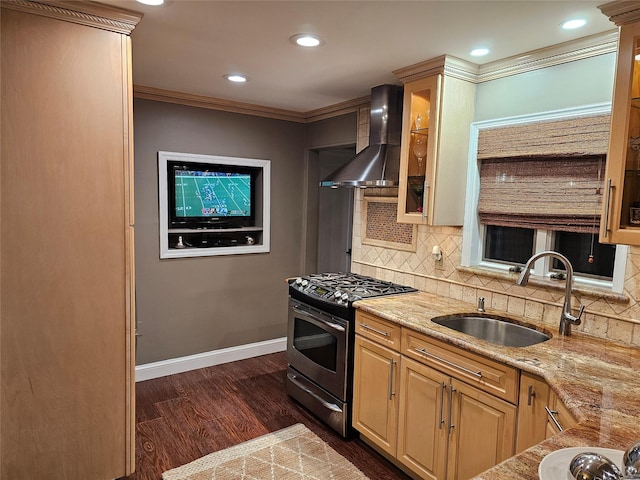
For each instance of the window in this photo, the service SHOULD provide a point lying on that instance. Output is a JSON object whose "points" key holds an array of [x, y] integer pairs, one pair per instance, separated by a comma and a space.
{"points": [[535, 184], [586, 254], [508, 244], [514, 246]]}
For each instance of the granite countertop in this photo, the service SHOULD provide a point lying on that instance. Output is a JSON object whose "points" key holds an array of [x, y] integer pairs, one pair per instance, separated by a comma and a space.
{"points": [[598, 380]]}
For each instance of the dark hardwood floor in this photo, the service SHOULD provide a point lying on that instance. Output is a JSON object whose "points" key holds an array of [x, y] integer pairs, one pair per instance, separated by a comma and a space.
{"points": [[180, 418]]}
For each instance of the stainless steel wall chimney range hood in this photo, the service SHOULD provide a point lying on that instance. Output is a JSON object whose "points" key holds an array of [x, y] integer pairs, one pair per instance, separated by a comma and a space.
{"points": [[378, 165]]}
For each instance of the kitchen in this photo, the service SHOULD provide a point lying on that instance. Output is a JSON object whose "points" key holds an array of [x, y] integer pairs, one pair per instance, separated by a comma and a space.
{"points": [[164, 289]]}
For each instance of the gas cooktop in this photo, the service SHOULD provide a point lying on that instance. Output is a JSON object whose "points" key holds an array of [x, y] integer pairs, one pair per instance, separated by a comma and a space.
{"points": [[342, 288]]}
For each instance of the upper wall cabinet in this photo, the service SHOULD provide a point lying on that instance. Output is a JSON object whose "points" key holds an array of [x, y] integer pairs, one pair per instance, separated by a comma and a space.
{"points": [[621, 207], [437, 113]]}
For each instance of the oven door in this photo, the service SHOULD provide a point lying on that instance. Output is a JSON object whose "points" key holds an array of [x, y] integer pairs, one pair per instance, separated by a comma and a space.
{"points": [[317, 347]]}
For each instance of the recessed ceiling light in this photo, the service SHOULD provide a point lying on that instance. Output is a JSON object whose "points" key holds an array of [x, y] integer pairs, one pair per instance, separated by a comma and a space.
{"points": [[479, 52], [151, 2], [574, 23], [236, 77], [306, 40]]}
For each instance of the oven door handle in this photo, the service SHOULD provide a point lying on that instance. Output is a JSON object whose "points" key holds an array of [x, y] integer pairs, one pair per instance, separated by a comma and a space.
{"points": [[302, 311], [331, 406]]}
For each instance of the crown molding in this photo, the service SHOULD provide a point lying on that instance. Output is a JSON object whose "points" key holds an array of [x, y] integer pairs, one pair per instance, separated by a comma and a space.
{"points": [[211, 103], [337, 109], [83, 12], [579, 49], [573, 50], [621, 12], [444, 64]]}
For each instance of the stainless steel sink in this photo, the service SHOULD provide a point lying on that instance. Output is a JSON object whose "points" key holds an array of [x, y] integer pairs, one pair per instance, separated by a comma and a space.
{"points": [[494, 329]]}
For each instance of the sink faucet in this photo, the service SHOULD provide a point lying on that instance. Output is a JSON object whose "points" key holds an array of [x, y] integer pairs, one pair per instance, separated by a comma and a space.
{"points": [[566, 318]]}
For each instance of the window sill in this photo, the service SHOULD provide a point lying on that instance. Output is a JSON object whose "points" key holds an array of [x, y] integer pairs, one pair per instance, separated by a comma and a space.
{"points": [[593, 292]]}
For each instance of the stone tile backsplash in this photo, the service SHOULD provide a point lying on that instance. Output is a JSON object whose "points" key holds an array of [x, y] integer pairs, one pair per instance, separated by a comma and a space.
{"points": [[606, 316]]}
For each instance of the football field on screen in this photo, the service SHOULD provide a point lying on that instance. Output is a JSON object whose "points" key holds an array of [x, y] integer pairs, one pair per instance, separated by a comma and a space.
{"points": [[212, 195]]}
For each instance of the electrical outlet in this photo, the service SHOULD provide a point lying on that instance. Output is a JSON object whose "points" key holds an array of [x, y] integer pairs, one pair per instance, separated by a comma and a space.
{"points": [[439, 265]]}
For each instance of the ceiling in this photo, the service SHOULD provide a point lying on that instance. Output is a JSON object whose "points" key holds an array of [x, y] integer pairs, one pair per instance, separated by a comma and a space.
{"points": [[187, 46]]}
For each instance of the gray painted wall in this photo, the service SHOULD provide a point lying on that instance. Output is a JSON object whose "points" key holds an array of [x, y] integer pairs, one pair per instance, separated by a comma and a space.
{"points": [[582, 82], [332, 132], [193, 305]]}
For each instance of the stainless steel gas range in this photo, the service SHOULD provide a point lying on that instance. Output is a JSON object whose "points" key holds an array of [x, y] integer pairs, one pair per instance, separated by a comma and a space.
{"points": [[320, 339]]}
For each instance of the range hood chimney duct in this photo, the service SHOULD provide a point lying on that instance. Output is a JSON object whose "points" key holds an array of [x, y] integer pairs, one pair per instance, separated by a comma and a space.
{"points": [[378, 165]]}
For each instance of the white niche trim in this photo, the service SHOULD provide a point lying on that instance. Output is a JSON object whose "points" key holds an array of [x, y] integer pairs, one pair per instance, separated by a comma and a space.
{"points": [[260, 231]]}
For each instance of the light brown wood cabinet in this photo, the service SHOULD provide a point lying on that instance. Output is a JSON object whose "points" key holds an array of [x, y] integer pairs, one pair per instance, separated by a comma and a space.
{"points": [[559, 417], [437, 111], [541, 414], [67, 341], [449, 421], [423, 421], [532, 416], [621, 205], [375, 404], [482, 431]]}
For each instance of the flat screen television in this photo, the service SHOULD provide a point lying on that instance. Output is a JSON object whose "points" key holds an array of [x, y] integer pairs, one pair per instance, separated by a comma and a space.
{"points": [[209, 195]]}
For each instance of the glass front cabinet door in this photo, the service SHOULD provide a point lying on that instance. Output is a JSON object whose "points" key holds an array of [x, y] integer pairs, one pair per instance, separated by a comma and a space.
{"points": [[621, 207], [419, 124], [437, 112]]}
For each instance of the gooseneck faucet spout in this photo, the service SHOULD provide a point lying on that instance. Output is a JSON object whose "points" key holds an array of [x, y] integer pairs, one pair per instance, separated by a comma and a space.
{"points": [[566, 318]]}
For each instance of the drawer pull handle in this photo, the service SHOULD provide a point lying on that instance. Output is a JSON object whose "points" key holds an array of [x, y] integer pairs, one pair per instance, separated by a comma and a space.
{"points": [[552, 415], [478, 374], [374, 330]]}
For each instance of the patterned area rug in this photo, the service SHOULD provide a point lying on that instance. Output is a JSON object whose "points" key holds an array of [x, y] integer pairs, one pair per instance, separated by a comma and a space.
{"points": [[293, 453]]}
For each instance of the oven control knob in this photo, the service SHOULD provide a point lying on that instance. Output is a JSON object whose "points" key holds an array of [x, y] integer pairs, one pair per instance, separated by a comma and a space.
{"points": [[337, 294], [298, 281], [345, 296], [304, 283]]}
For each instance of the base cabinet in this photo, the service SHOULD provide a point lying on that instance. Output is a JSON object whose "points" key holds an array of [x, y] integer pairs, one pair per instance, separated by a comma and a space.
{"points": [[541, 414], [435, 425], [423, 429], [532, 416], [375, 405], [482, 431]]}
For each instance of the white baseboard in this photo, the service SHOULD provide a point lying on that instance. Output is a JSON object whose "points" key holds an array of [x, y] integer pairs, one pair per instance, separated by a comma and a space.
{"points": [[208, 359]]}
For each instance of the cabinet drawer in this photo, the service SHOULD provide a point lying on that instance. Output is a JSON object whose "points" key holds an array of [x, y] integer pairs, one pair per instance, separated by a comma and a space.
{"points": [[488, 375], [375, 328]]}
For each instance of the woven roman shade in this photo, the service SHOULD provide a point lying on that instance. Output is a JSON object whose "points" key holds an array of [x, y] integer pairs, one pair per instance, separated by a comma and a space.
{"points": [[544, 175], [546, 193]]}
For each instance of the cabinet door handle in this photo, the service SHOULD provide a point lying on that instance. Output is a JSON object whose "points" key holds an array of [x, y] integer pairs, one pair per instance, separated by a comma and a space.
{"points": [[443, 387], [552, 415], [607, 207], [447, 362], [374, 330], [530, 394], [451, 390], [391, 392], [425, 193]]}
